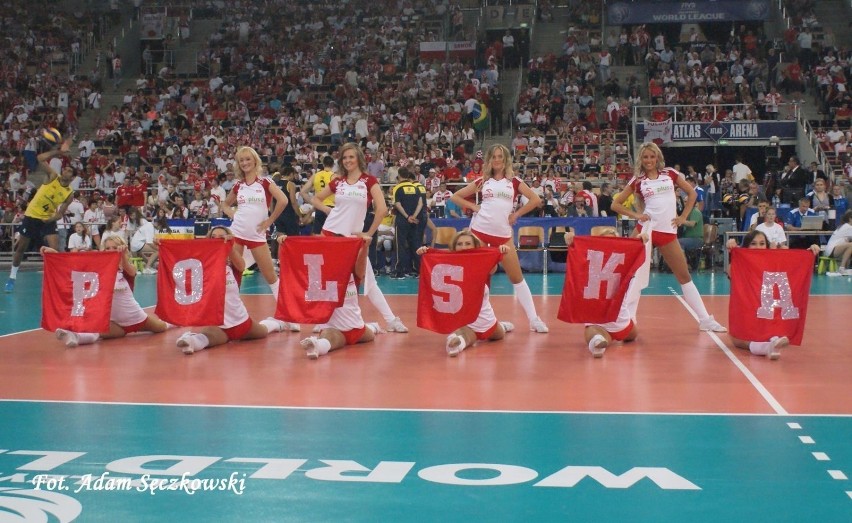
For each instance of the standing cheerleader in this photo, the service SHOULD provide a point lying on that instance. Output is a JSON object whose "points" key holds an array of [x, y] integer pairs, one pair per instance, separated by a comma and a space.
{"points": [[252, 195], [493, 219], [354, 191], [655, 184]]}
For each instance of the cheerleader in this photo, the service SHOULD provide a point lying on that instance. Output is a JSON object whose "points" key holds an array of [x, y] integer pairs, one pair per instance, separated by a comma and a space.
{"points": [[656, 184], [770, 348], [252, 195], [353, 191], [599, 336], [346, 325], [126, 315], [493, 220], [486, 326], [238, 325]]}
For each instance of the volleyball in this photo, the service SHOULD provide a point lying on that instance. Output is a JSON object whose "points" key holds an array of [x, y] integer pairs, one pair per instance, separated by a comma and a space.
{"points": [[52, 135], [742, 198], [728, 198]]}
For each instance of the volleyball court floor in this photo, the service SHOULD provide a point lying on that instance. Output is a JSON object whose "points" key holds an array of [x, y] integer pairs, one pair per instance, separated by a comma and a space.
{"points": [[677, 426]]}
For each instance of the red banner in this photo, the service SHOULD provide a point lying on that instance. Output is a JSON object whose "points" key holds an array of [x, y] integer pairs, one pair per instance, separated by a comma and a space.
{"points": [[451, 287], [769, 293], [77, 290], [598, 272], [314, 274], [191, 282]]}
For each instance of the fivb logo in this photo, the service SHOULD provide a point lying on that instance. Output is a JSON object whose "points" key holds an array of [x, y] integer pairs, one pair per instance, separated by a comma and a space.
{"points": [[601, 272], [37, 505]]}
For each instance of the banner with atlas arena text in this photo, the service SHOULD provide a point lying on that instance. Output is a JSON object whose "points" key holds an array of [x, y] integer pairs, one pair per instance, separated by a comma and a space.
{"points": [[77, 291], [314, 275], [713, 132], [597, 275], [451, 287], [769, 293], [191, 282]]}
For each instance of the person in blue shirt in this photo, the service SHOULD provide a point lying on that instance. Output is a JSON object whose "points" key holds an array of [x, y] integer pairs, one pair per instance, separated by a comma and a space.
{"points": [[452, 210], [794, 223]]}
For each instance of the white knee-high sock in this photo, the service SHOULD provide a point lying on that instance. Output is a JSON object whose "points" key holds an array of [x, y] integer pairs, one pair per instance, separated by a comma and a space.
{"points": [[375, 295], [13, 274], [274, 287], [522, 292], [690, 294], [87, 338]]}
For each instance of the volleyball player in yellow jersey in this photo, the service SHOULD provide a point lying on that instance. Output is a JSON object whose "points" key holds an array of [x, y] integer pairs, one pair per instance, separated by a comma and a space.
{"points": [[318, 181], [47, 206]]}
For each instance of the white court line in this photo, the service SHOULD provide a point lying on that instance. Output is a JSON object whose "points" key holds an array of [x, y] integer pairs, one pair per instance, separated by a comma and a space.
{"points": [[807, 440], [837, 474], [449, 411], [16, 333], [794, 426], [820, 456], [776, 406]]}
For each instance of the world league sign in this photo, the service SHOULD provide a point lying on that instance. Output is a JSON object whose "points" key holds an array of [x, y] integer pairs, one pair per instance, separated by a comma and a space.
{"points": [[661, 12]]}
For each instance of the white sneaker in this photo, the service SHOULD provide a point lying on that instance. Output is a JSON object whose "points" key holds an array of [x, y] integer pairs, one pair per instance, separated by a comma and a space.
{"points": [[710, 324], [396, 325], [317, 329], [507, 326], [187, 343], [69, 338], [376, 328], [538, 325], [455, 344], [310, 346], [598, 345], [280, 325], [777, 343]]}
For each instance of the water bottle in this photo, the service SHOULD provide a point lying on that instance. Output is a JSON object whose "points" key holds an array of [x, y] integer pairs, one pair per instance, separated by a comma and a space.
{"points": [[776, 201]]}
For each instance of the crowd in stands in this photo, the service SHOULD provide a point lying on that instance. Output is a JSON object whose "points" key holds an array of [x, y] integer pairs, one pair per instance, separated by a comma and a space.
{"points": [[825, 69], [298, 90]]}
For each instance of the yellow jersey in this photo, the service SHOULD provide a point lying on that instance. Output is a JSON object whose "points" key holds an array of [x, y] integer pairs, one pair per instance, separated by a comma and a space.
{"points": [[47, 199], [321, 181]]}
